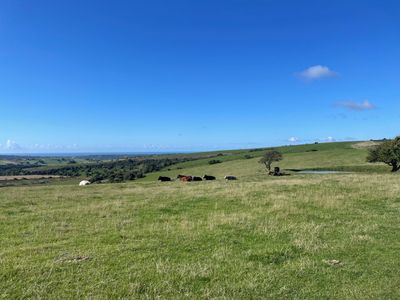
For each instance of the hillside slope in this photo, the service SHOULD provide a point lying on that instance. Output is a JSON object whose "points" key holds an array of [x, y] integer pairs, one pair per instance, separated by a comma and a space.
{"points": [[327, 156], [300, 237]]}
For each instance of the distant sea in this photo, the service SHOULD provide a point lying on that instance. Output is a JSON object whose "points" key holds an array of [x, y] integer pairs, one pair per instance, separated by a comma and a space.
{"points": [[83, 154]]}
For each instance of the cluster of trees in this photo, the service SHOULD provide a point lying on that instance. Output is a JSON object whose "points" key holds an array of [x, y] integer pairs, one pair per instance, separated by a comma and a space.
{"points": [[14, 169], [258, 149]]}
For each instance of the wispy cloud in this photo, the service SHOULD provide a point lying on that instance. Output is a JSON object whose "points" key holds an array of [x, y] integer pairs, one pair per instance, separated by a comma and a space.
{"points": [[329, 139], [316, 72], [353, 105], [11, 146], [294, 139]]}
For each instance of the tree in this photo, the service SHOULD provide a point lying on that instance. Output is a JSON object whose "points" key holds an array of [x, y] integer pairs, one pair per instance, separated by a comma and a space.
{"points": [[269, 157], [387, 152]]}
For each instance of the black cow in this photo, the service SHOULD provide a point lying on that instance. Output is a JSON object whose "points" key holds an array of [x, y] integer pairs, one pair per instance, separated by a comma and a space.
{"points": [[164, 178], [209, 177], [230, 177], [276, 172], [195, 178]]}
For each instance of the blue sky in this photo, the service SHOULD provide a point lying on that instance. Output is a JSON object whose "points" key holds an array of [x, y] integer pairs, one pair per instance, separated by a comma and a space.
{"points": [[86, 76]]}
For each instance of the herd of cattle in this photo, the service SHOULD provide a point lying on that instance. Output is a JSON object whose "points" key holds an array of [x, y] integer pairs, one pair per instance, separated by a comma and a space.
{"points": [[188, 178]]}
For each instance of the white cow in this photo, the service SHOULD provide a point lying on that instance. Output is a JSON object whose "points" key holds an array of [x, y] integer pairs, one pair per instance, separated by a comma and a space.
{"points": [[84, 182]]}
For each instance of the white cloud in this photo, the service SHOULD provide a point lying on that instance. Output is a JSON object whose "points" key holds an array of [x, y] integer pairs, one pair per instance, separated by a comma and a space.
{"points": [[294, 139], [316, 72], [11, 145], [330, 139], [353, 105]]}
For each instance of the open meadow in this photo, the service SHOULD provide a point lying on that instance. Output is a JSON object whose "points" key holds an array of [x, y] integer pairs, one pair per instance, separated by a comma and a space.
{"points": [[301, 236]]}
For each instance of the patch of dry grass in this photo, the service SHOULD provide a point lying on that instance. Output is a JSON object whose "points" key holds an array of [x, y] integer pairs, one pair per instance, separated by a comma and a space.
{"points": [[365, 145]]}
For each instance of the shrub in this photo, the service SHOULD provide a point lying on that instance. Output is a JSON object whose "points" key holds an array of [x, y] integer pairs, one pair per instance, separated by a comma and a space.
{"points": [[214, 161]]}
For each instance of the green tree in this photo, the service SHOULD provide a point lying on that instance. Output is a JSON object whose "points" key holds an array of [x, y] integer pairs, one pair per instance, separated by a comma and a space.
{"points": [[269, 157], [387, 152]]}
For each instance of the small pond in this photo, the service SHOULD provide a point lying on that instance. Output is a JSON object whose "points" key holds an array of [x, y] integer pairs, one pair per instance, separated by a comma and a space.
{"points": [[322, 172]]}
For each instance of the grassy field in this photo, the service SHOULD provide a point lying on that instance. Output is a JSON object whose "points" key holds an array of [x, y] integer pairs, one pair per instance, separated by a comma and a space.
{"points": [[300, 236]]}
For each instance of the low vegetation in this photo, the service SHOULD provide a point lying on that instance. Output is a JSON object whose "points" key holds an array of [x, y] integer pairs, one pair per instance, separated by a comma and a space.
{"points": [[214, 161]]}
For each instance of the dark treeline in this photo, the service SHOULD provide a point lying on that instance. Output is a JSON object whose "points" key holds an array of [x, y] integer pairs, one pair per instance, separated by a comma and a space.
{"points": [[14, 169]]}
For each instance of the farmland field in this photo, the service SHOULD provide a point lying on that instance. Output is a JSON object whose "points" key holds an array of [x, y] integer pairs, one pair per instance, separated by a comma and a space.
{"points": [[300, 236]]}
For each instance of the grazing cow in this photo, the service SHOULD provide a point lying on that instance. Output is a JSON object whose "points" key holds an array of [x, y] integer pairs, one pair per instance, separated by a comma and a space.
{"points": [[84, 182], [184, 178], [209, 177], [195, 178], [164, 178], [230, 177]]}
